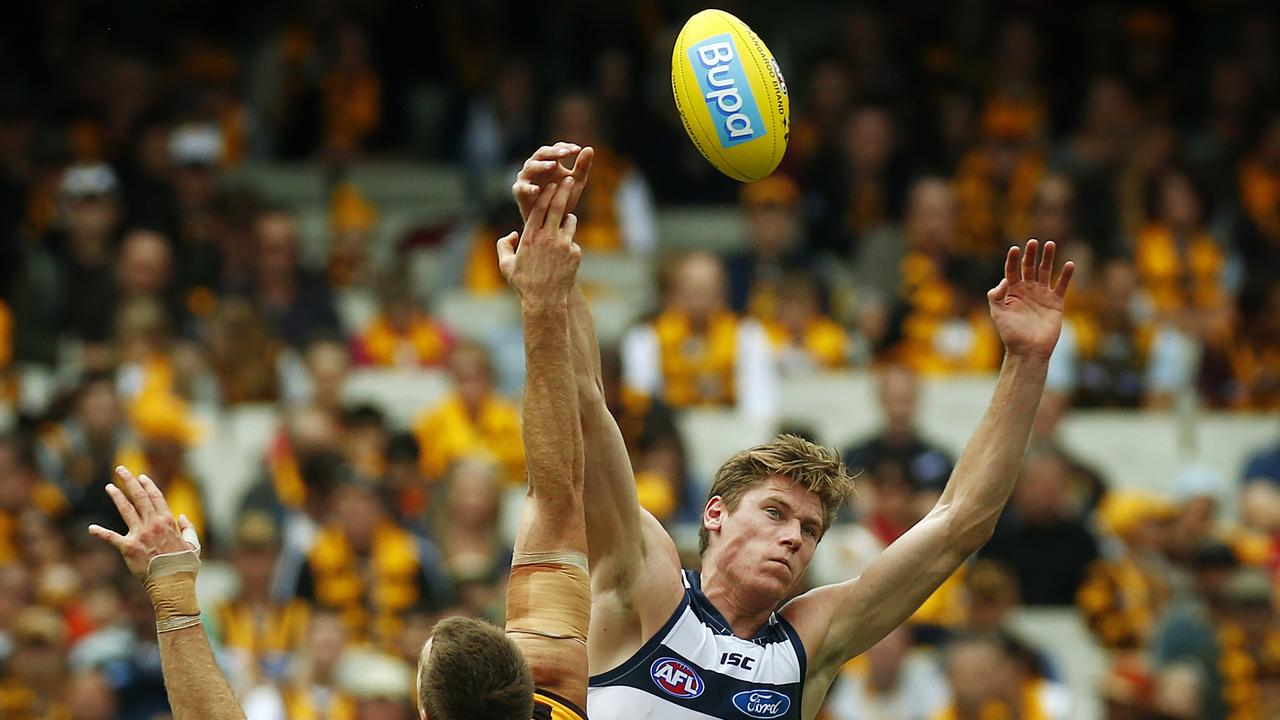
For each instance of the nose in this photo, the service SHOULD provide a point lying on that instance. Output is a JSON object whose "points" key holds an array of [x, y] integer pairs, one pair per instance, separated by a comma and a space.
{"points": [[791, 536]]}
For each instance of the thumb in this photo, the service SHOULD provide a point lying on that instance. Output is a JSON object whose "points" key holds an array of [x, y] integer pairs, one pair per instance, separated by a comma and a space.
{"points": [[997, 293], [189, 533], [507, 246]]}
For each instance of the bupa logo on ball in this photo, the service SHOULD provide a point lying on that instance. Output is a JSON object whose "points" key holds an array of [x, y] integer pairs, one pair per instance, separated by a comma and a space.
{"points": [[762, 703], [675, 678], [718, 67]]}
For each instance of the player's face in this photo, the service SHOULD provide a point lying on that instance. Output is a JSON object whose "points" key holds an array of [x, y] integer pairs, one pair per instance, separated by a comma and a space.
{"points": [[769, 539]]}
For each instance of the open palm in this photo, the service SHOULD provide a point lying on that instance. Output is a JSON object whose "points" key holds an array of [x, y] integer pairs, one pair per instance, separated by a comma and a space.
{"points": [[1026, 306]]}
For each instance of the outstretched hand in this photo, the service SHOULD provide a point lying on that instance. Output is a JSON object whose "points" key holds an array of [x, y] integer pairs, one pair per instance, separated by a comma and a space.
{"points": [[1026, 306], [547, 166], [543, 267], [152, 529]]}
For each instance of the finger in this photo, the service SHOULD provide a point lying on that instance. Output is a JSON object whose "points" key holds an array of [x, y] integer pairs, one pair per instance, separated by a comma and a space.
{"points": [[569, 228], [554, 152], [1011, 260], [157, 497], [538, 214], [560, 201], [1029, 260], [126, 509], [566, 148], [507, 246], [189, 534], [108, 536], [581, 170], [133, 491], [532, 167], [997, 293], [1065, 278], [1046, 263]]}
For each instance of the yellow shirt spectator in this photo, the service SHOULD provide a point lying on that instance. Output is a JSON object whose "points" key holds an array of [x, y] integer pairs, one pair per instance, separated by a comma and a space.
{"points": [[452, 431]]}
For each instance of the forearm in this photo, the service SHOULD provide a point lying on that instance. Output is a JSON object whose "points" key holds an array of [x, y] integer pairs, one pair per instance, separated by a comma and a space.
{"points": [[551, 423], [985, 474], [196, 687], [197, 690]]}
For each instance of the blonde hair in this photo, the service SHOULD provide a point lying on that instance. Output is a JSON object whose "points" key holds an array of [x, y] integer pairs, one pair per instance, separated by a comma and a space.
{"points": [[813, 466]]}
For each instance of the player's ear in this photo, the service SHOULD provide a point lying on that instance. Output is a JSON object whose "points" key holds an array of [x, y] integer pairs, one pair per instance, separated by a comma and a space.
{"points": [[713, 514]]}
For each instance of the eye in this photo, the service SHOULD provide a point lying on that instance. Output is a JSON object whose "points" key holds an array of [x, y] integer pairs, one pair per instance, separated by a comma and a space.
{"points": [[809, 530], [773, 513]]}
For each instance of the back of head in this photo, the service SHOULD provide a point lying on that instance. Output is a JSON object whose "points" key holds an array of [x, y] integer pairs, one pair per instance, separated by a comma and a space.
{"points": [[813, 466], [471, 669]]}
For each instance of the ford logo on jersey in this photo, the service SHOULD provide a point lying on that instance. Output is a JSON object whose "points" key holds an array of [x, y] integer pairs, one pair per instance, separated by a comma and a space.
{"points": [[675, 678], [762, 703], [718, 67]]}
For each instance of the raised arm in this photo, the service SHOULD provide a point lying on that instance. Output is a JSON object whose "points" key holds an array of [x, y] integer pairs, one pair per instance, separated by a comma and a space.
{"points": [[839, 621], [548, 595], [628, 547], [166, 559]]}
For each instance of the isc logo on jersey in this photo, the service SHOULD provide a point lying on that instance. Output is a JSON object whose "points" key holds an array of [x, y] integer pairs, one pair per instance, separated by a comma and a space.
{"points": [[718, 67], [764, 704], [676, 679]]}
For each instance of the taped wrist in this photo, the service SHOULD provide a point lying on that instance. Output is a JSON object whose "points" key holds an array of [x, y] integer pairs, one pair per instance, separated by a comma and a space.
{"points": [[171, 584], [549, 595]]}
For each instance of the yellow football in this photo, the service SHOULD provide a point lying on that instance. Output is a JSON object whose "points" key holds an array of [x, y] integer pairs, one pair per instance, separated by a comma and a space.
{"points": [[731, 95]]}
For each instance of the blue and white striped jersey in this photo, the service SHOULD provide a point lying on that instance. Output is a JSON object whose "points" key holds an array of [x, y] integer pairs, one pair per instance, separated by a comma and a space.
{"points": [[695, 668]]}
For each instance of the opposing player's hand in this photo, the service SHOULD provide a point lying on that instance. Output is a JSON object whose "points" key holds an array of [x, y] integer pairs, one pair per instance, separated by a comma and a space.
{"points": [[1026, 306], [552, 164], [541, 263], [152, 529]]}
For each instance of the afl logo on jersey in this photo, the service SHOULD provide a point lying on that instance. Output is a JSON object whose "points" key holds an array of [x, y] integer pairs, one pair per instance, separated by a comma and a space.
{"points": [[676, 679], [764, 704]]}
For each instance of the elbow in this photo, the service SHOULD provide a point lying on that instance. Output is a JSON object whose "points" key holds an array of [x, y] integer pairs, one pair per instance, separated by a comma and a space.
{"points": [[968, 532]]}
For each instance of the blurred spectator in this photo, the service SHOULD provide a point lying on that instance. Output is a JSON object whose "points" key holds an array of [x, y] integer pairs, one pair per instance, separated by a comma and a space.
{"points": [[90, 696], [300, 466], [804, 337], [899, 441], [77, 455], [1245, 373], [1180, 264], [1259, 190], [33, 682], [815, 126], [467, 525], [996, 183], [164, 430], [939, 326], [243, 354], [365, 567], [890, 681], [257, 635], [474, 420], [195, 151], [1230, 635], [772, 218], [327, 365], [988, 679], [22, 491], [654, 443], [697, 352], [1123, 596], [381, 685], [1093, 156], [295, 302], [404, 482], [90, 214], [351, 92], [311, 690], [500, 125], [402, 334], [860, 185], [364, 440], [1040, 537], [616, 210], [1112, 353]]}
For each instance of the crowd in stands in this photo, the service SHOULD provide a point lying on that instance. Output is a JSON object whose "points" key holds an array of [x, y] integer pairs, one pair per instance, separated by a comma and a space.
{"points": [[144, 282]]}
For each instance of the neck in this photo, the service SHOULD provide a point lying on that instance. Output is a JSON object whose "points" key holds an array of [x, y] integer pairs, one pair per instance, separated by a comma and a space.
{"points": [[744, 615]]}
